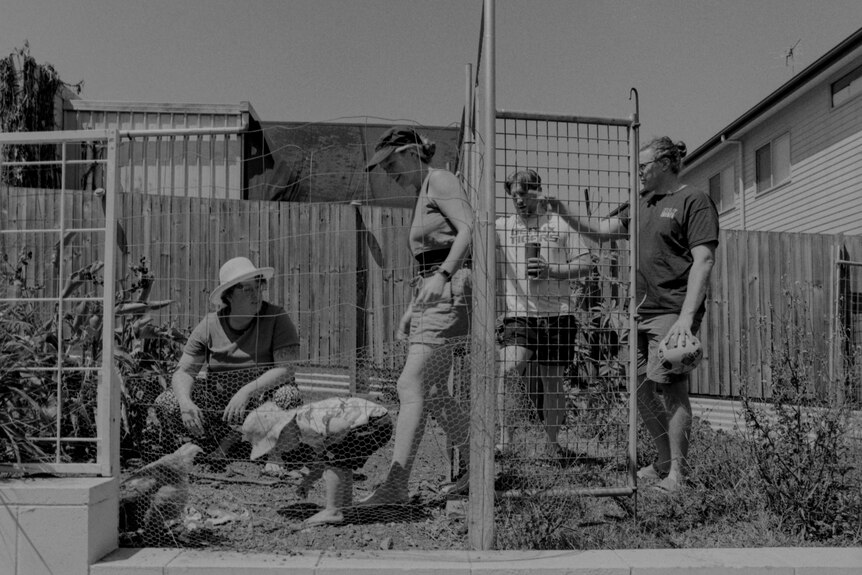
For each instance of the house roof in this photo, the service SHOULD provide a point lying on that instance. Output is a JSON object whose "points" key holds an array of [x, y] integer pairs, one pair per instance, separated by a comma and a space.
{"points": [[792, 86]]}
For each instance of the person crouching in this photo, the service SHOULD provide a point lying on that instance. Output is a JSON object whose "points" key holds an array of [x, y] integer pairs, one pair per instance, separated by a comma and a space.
{"points": [[332, 437]]}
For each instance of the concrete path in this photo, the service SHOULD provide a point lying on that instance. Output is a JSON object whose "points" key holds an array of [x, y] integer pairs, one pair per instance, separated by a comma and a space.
{"points": [[771, 561]]}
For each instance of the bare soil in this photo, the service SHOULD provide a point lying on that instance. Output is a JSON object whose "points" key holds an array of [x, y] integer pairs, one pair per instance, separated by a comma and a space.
{"points": [[240, 508]]}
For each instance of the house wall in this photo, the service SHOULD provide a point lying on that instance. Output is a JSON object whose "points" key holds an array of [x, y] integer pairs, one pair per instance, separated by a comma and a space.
{"points": [[728, 155], [824, 193]]}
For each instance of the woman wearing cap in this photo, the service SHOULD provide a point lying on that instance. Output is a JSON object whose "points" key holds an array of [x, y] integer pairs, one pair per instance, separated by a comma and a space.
{"points": [[247, 346], [439, 312]]}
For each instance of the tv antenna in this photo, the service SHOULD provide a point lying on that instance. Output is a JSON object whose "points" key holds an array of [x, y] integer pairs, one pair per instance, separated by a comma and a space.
{"points": [[790, 56]]}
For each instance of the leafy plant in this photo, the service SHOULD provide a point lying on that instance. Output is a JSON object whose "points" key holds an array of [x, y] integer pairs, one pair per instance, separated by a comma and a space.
{"points": [[799, 439], [539, 522], [596, 380], [31, 341], [30, 389], [604, 332], [144, 354]]}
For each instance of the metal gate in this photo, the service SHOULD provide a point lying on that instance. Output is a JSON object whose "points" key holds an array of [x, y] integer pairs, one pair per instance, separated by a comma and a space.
{"points": [[587, 164]]}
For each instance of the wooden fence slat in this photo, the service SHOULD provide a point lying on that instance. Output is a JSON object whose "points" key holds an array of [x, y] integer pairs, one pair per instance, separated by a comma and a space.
{"points": [[308, 334], [316, 250]]}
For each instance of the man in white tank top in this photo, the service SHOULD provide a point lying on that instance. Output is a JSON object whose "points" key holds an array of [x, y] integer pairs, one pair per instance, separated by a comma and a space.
{"points": [[537, 323]]}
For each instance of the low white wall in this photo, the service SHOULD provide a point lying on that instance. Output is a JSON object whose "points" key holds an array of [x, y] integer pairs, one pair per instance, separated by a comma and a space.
{"points": [[57, 525]]}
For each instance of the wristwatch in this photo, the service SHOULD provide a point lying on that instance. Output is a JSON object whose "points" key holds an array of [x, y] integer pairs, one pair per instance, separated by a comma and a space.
{"points": [[444, 273]]}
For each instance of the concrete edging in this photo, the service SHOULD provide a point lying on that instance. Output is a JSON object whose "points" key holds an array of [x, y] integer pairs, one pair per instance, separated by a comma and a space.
{"points": [[774, 561]]}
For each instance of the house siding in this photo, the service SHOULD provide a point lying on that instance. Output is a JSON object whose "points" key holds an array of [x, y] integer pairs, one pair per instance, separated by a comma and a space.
{"points": [[699, 179], [824, 193]]}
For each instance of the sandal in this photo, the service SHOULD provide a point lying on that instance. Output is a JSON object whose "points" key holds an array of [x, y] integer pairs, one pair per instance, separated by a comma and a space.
{"points": [[649, 473]]}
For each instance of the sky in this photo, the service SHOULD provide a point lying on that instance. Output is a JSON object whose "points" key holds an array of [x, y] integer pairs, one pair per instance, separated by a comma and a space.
{"points": [[697, 64]]}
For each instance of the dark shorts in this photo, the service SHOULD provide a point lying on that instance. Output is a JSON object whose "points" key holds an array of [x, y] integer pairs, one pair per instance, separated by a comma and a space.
{"points": [[351, 452], [552, 340], [651, 330]]}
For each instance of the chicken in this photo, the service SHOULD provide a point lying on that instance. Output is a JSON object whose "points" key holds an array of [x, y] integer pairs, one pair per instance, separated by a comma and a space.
{"points": [[154, 496]]}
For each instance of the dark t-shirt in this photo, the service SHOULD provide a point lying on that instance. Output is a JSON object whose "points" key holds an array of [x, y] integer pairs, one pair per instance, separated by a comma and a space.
{"points": [[670, 226], [224, 349]]}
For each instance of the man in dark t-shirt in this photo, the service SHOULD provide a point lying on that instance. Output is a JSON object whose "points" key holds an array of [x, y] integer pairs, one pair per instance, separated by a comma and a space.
{"points": [[677, 238]]}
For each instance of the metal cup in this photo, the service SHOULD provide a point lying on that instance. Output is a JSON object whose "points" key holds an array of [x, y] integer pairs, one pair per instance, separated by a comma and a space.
{"points": [[531, 250]]}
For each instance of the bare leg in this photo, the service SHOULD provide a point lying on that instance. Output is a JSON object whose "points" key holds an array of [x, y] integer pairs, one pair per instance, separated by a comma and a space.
{"points": [[409, 427], [652, 412], [339, 494], [513, 360], [679, 431], [554, 405]]}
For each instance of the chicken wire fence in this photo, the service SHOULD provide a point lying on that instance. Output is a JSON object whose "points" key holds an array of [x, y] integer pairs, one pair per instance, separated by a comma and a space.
{"points": [[343, 276]]}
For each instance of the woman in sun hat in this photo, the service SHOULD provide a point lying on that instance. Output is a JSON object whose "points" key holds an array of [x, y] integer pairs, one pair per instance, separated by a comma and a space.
{"points": [[437, 318], [248, 347]]}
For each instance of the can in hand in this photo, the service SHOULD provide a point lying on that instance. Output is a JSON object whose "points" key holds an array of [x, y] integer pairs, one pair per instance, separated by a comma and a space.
{"points": [[531, 250]]}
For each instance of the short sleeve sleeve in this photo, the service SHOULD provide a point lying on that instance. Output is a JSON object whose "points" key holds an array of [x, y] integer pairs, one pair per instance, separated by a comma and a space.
{"points": [[198, 342], [702, 221], [284, 334]]}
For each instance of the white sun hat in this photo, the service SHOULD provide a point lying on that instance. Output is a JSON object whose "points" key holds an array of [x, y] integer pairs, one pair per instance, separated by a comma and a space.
{"points": [[238, 270]]}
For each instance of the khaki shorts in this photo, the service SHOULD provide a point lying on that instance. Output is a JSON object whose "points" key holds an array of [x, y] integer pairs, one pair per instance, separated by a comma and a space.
{"points": [[651, 330], [437, 322]]}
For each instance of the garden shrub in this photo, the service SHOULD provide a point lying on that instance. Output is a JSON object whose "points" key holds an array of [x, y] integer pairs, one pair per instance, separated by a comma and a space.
{"points": [[804, 460]]}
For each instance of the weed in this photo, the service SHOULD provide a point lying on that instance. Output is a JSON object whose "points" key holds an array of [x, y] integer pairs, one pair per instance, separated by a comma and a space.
{"points": [[799, 440]]}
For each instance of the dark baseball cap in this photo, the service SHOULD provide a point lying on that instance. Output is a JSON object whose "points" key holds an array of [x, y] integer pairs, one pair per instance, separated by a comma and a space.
{"points": [[391, 140]]}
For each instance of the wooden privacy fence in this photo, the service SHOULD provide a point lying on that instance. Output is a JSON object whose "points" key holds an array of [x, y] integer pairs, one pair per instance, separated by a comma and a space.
{"points": [[759, 279], [342, 271], [343, 274]]}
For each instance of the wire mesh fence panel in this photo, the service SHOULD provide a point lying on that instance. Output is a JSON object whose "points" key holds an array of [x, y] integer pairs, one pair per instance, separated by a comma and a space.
{"points": [[563, 321], [54, 243]]}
